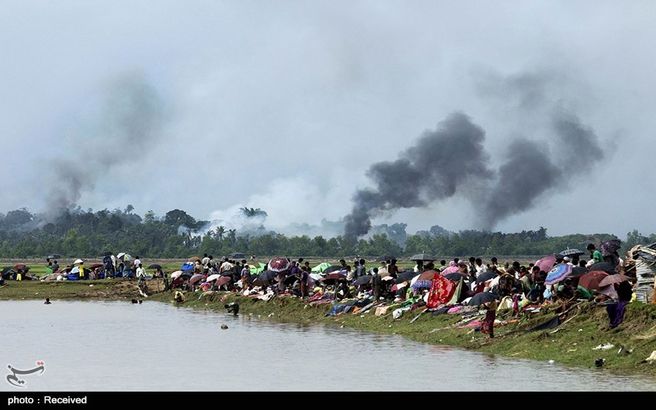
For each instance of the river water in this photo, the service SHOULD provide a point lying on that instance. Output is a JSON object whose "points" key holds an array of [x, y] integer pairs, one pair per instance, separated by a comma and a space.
{"points": [[119, 346]]}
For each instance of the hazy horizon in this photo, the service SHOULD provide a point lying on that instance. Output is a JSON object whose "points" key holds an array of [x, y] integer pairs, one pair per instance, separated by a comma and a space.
{"points": [[208, 106]]}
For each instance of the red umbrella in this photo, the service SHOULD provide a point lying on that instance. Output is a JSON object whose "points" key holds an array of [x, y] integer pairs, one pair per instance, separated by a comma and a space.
{"points": [[592, 279], [20, 266], [197, 278], [279, 264], [546, 263], [223, 280], [612, 279]]}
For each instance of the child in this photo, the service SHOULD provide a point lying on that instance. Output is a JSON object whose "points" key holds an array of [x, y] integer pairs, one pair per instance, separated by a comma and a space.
{"points": [[490, 316]]}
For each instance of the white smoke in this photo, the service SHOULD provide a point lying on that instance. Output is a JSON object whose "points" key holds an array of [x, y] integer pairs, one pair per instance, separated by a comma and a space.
{"points": [[294, 206]]}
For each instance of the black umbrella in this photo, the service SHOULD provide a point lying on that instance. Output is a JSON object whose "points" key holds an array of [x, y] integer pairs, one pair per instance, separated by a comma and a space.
{"points": [[333, 278], [267, 276], [455, 276], [422, 257], [571, 252], [577, 271], [187, 275], [363, 280], [54, 256], [483, 297], [155, 266], [405, 276], [332, 269], [484, 277], [238, 255], [603, 266]]}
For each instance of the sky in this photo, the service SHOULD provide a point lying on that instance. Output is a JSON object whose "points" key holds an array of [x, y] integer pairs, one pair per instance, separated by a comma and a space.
{"points": [[285, 105]]}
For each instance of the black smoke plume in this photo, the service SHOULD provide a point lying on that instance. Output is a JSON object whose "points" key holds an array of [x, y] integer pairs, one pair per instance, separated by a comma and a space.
{"points": [[436, 167], [532, 170], [129, 121]]}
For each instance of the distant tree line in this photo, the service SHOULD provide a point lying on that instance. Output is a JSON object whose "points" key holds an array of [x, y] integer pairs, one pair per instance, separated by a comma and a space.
{"points": [[80, 233]]}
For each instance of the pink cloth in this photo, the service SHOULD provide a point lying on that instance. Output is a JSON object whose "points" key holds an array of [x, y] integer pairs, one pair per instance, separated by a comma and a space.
{"points": [[454, 310]]}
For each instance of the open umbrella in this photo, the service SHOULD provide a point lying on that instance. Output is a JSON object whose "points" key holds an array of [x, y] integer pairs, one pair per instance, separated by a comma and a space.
{"points": [[223, 280], [482, 297], [20, 266], [155, 266], [612, 279], [558, 273], [124, 256], [213, 277], [363, 280], [237, 255], [176, 274], [279, 264], [267, 276], [54, 256], [78, 261], [603, 266], [333, 278], [546, 263], [405, 276], [485, 276], [571, 252], [577, 271], [422, 257], [197, 278], [187, 267], [455, 276], [591, 280]]}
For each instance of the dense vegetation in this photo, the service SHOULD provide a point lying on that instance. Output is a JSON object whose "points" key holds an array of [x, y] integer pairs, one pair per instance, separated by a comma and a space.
{"points": [[177, 235]]}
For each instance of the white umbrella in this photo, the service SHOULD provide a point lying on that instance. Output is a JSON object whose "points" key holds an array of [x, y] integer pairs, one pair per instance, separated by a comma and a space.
{"points": [[78, 261], [176, 274], [75, 269], [124, 256], [213, 277]]}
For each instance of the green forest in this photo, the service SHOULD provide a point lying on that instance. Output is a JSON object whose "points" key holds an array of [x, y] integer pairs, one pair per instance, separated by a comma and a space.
{"points": [[80, 233]]}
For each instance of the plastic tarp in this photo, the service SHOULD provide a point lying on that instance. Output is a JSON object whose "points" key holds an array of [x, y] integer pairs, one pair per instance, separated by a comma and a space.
{"points": [[321, 267], [259, 269]]}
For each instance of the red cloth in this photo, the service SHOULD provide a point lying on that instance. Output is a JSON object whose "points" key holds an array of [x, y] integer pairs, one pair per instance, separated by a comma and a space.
{"points": [[488, 323], [441, 292]]}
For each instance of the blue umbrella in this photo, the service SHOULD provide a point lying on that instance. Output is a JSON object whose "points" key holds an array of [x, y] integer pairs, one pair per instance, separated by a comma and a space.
{"points": [[558, 273], [187, 267]]}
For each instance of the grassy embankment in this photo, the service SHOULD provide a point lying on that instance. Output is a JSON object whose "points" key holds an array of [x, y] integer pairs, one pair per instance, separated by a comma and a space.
{"points": [[570, 344]]}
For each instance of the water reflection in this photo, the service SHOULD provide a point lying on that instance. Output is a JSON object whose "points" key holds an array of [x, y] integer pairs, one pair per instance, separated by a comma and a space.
{"points": [[154, 346]]}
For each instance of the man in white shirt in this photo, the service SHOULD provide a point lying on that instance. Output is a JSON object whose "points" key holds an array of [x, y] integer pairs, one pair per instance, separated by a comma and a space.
{"points": [[225, 266], [141, 272]]}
